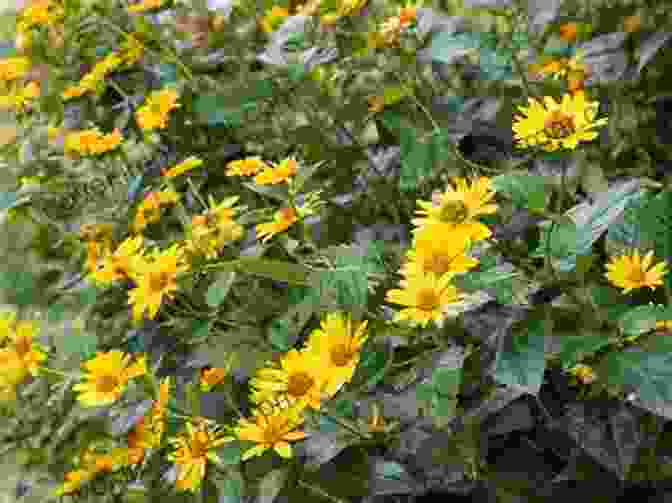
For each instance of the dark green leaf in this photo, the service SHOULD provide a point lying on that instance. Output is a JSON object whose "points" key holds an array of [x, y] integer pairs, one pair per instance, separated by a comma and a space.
{"points": [[526, 191], [522, 363], [219, 290]]}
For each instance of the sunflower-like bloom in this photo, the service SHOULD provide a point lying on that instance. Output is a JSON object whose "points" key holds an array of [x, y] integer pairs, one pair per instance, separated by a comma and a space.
{"points": [[338, 343], [13, 68], [440, 255], [282, 220], [246, 167], [425, 297], [280, 173], [156, 278], [144, 6], [192, 453], [454, 212], [119, 264], [213, 230], [555, 126], [300, 379], [183, 167], [631, 272], [107, 376], [21, 99], [91, 142], [154, 113], [7, 323], [149, 210], [271, 429]]}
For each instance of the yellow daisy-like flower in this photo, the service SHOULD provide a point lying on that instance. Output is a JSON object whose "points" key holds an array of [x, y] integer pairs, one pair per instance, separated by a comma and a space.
{"points": [[74, 480], [211, 377], [154, 113], [271, 430], [7, 323], [425, 297], [280, 173], [282, 220], [119, 265], [13, 68], [568, 31], [149, 210], [145, 5], [630, 272], [555, 126], [300, 380], [22, 99], [338, 343], [664, 325], [30, 353], [107, 376], [183, 167], [192, 452], [273, 18], [440, 255], [91, 142], [40, 12], [156, 279], [213, 230], [246, 167], [583, 373], [454, 212]]}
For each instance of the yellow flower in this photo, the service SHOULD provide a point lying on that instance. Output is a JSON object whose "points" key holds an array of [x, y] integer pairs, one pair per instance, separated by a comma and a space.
{"points": [[106, 378], [156, 279], [425, 297], [273, 18], [30, 353], [211, 377], [348, 7], [192, 452], [280, 173], [557, 125], [441, 254], [568, 31], [91, 142], [338, 343], [149, 210], [454, 212], [153, 114], [664, 325], [145, 5], [131, 50], [271, 430], [246, 167], [7, 323], [213, 230], [300, 380], [391, 29], [186, 165], [282, 220], [119, 265], [632, 24], [148, 432], [583, 373], [632, 271], [74, 480], [13, 68], [40, 12]]}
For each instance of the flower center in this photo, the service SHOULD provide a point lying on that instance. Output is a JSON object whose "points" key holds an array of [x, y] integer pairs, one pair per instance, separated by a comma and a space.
{"points": [[637, 276], [22, 346], [437, 263], [559, 125], [427, 299], [299, 383], [107, 384], [199, 444], [159, 281], [453, 212], [340, 355]]}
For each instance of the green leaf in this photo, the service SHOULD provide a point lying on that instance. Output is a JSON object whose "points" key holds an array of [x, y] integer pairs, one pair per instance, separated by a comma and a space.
{"points": [[230, 453], [475, 281], [416, 162], [522, 363], [372, 364], [609, 300], [277, 270], [560, 242], [446, 381], [649, 371], [230, 489], [443, 409], [167, 73], [573, 349], [279, 335], [424, 392], [78, 342], [447, 47], [642, 319], [219, 290], [526, 191], [272, 484], [19, 287], [279, 193]]}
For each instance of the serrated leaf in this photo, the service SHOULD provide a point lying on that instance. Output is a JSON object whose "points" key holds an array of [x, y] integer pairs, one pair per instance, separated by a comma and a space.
{"points": [[521, 362], [219, 290], [642, 319], [277, 270], [572, 348], [524, 190]]}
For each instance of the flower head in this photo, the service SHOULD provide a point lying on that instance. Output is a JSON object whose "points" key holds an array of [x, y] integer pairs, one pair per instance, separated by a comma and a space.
{"points": [[156, 278], [273, 18], [106, 377], [282, 220], [282, 172], [149, 210], [454, 212], [13, 68], [192, 452], [553, 126], [154, 113], [246, 167], [119, 264], [91, 142], [631, 272], [338, 343], [271, 429], [425, 296], [144, 6], [439, 254], [299, 379]]}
